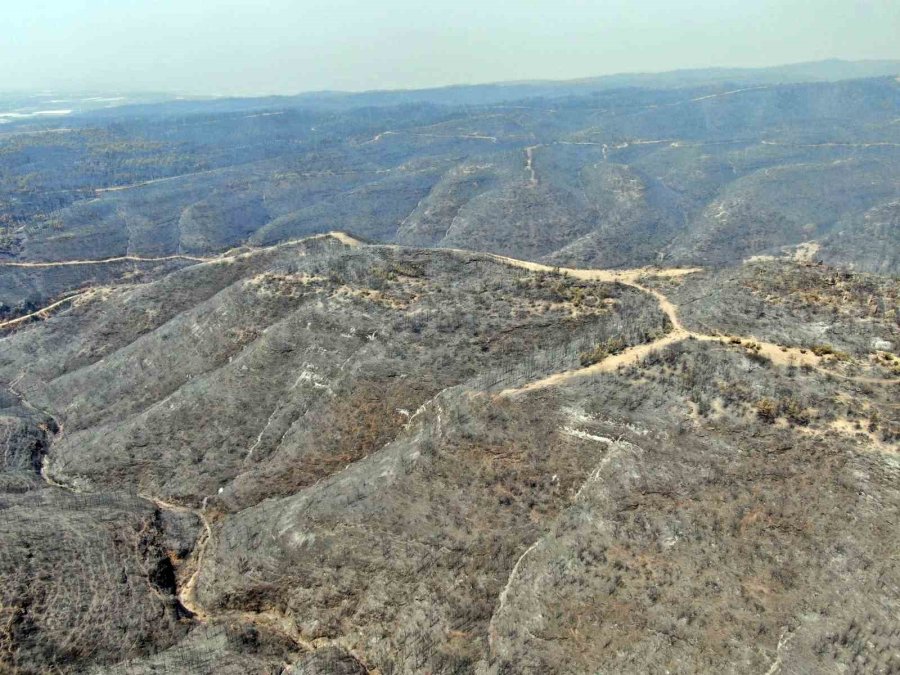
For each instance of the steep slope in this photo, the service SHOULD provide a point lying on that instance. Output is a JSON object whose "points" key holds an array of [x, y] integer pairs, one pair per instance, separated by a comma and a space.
{"points": [[870, 243]]}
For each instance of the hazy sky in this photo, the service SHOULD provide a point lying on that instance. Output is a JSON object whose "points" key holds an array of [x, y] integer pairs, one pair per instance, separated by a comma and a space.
{"points": [[288, 46]]}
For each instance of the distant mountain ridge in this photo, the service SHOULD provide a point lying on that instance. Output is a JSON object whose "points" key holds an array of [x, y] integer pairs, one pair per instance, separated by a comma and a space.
{"points": [[828, 70]]}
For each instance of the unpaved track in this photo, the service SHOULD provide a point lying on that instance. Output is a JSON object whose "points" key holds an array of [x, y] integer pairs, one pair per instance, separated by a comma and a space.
{"points": [[778, 354], [342, 237], [44, 312], [728, 93], [529, 164], [154, 181], [105, 261]]}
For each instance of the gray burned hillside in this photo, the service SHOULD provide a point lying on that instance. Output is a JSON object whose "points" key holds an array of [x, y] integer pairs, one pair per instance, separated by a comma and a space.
{"points": [[326, 456], [588, 377]]}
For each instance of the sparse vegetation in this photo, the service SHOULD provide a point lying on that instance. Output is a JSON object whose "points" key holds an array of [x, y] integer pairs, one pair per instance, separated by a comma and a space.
{"points": [[828, 350], [767, 409], [601, 351]]}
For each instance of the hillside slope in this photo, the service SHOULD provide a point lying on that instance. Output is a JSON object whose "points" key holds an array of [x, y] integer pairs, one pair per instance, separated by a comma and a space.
{"points": [[324, 456]]}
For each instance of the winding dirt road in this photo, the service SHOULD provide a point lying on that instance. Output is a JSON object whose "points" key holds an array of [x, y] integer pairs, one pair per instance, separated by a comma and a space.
{"points": [[45, 312], [778, 354], [105, 261]]}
